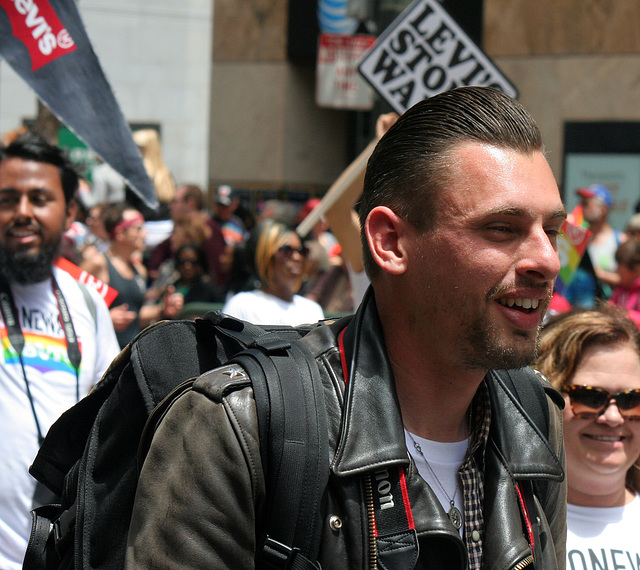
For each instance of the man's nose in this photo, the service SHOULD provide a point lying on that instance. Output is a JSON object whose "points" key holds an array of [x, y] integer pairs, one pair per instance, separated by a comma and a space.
{"points": [[25, 208], [540, 256]]}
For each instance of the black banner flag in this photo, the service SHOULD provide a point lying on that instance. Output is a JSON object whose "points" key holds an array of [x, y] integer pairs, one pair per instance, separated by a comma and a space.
{"points": [[46, 44]]}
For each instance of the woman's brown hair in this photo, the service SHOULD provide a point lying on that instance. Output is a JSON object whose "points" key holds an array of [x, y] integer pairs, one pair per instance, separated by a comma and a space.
{"points": [[566, 337]]}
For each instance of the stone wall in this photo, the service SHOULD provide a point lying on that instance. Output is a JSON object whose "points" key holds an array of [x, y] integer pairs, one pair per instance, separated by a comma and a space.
{"points": [[561, 27], [571, 60], [266, 129]]}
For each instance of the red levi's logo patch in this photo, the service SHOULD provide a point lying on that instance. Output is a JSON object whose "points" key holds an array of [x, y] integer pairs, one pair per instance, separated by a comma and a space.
{"points": [[36, 25]]}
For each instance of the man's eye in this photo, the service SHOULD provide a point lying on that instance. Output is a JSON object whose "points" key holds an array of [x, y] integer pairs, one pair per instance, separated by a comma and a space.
{"points": [[7, 201], [554, 233], [39, 199], [500, 229]]}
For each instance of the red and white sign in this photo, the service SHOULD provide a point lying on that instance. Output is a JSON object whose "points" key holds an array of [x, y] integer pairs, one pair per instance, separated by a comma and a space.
{"points": [[338, 84], [106, 292], [36, 25], [424, 52]]}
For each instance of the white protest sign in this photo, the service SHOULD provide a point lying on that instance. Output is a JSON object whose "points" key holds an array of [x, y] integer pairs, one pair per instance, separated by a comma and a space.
{"points": [[424, 52], [338, 84]]}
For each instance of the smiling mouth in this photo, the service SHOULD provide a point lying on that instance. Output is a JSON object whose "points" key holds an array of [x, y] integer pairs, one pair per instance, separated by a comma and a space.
{"points": [[605, 438], [21, 239], [525, 304], [22, 233]]}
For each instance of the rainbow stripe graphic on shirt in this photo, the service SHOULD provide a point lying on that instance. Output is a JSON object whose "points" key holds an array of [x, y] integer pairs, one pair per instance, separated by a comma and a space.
{"points": [[42, 352]]}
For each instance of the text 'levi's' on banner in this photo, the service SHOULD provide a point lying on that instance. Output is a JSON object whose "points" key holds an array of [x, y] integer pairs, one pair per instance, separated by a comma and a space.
{"points": [[46, 44]]}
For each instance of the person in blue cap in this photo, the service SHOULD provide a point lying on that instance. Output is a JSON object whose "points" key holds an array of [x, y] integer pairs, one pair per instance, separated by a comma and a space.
{"points": [[598, 191], [597, 273]]}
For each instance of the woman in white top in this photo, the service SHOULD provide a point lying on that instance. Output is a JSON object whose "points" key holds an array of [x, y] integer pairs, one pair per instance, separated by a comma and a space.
{"points": [[280, 260], [593, 358]]}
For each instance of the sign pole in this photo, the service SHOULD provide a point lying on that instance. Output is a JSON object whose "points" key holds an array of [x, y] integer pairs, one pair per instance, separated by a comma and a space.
{"points": [[337, 189]]}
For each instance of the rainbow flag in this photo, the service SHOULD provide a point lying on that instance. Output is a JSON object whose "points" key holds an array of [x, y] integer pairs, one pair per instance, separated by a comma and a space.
{"points": [[576, 217], [572, 243]]}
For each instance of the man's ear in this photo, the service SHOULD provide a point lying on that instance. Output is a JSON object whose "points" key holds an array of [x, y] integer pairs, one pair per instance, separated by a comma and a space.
{"points": [[385, 232], [70, 214]]}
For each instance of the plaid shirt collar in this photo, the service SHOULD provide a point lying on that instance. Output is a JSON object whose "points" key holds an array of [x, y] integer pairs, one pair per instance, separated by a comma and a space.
{"points": [[472, 477], [481, 420]]}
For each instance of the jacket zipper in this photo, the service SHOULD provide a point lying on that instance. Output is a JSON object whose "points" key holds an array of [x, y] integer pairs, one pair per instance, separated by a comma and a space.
{"points": [[528, 561], [373, 546]]}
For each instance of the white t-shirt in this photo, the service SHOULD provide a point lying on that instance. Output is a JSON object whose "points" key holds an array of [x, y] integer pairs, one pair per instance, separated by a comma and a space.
{"points": [[262, 308], [600, 538], [445, 460], [603, 254], [52, 381], [359, 284]]}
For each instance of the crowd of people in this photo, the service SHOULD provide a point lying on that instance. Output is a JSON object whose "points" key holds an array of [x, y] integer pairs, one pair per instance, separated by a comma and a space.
{"points": [[207, 260], [331, 274], [230, 264], [445, 249]]}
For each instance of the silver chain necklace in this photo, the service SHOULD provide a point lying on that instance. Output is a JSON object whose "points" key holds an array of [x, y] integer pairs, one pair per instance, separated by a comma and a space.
{"points": [[454, 514]]}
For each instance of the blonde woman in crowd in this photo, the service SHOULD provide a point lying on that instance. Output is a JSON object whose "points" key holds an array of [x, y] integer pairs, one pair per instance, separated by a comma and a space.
{"points": [[148, 142], [593, 358], [280, 261]]}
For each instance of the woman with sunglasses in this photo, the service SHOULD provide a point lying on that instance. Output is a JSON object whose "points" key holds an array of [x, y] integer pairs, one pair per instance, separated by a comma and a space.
{"points": [[593, 358], [280, 261]]}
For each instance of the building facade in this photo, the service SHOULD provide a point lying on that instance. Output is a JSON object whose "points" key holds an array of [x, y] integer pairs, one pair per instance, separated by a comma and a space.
{"points": [[231, 83]]}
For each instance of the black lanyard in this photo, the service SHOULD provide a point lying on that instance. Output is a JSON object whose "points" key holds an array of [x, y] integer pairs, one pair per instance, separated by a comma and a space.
{"points": [[16, 337]]}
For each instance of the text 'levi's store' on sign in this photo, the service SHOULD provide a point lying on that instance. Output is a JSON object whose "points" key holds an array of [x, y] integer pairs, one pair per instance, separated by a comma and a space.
{"points": [[424, 52]]}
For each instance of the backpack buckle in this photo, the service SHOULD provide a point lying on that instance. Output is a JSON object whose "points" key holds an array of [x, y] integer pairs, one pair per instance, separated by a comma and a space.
{"points": [[57, 533], [280, 556], [63, 529]]}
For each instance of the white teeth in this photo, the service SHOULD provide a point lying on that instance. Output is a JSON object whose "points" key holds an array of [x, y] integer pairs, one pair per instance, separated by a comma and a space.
{"points": [[605, 438], [524, 303]]}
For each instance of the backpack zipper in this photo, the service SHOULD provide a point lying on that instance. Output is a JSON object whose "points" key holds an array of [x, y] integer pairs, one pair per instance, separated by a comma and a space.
{"points": [[373, 546], [528, 561]]}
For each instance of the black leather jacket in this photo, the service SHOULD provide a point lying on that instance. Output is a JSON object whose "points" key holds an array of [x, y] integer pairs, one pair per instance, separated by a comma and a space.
{"points": [[202, 487]]}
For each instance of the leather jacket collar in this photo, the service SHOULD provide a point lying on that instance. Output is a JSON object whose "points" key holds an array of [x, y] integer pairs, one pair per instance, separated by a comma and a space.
{"points": [[371, 401]]}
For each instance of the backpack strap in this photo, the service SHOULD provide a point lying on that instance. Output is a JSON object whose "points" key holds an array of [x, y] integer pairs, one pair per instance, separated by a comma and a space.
{"points": [[294, 446], [243, 333], [293, 429]]}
